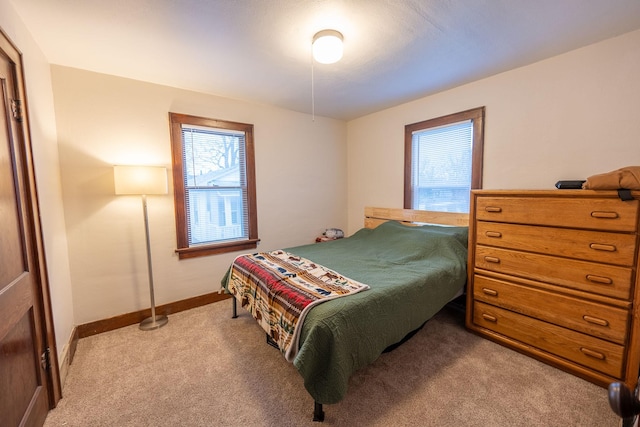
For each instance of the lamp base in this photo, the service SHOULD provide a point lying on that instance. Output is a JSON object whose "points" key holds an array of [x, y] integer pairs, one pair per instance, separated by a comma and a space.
{"points": [[149, 324]]}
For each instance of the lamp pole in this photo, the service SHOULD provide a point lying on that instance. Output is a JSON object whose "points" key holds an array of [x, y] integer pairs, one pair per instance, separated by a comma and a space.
{"points": [[153, 322], [143, 180]]}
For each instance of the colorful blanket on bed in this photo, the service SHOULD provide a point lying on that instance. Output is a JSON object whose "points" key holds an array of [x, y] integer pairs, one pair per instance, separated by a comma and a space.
{"points": [[279, 288]]}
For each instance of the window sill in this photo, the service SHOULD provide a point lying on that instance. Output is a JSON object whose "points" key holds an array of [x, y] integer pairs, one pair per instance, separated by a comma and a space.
{"points": [[205, 250]]}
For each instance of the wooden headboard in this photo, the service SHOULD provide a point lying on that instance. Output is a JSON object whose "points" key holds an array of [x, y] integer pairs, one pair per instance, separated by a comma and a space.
{"points": [[373, 217]]}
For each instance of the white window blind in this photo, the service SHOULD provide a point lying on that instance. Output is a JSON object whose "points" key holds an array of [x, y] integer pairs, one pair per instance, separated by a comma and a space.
{"points": [[215, 184], [441, 167]]}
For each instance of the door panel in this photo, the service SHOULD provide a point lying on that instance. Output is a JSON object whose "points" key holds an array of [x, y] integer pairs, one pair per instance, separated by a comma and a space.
{"points": [[16, 367], [25, 382]]}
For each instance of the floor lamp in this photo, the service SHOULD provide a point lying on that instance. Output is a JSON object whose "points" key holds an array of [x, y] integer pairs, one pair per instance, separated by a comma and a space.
{"points": [[143, 180]]}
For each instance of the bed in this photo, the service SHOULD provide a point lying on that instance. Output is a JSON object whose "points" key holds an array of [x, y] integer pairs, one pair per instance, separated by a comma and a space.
{"points": [[412, 264]]}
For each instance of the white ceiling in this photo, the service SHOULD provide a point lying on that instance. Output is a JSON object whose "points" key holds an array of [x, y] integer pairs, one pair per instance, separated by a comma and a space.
{"points": [[260, 50]]}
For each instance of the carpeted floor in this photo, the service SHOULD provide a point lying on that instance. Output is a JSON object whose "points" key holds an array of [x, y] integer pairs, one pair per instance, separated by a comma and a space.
{"points": [[206, 369]]}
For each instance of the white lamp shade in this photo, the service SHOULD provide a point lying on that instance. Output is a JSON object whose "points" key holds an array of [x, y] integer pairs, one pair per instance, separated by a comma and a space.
{"points": [[140, 179], [327, 46]]}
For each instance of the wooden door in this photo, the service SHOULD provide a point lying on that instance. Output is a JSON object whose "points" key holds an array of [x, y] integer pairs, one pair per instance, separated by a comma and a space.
{"points": [[27, 387]]}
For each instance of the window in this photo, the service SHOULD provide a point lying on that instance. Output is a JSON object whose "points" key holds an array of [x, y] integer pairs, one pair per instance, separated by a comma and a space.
{"points": [[214, 185], [443, 161]]}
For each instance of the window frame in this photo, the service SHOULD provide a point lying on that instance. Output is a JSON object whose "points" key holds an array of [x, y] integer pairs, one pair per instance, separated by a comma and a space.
{"points": [[176, 120], [476, 115]]}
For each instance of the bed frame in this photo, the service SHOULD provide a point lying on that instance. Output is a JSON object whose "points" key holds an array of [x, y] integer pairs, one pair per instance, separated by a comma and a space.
{"points": [[373, 217]]}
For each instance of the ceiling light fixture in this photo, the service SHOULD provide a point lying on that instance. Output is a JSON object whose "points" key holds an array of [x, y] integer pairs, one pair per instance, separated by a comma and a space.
{"points": [[327, 46]]}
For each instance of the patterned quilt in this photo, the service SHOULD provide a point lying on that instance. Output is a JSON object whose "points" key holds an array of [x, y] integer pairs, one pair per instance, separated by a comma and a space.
{"points": [[279, 288]]}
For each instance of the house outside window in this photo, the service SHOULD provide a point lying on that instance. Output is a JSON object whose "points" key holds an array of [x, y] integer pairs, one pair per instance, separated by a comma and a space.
{"points": [[214, 185], [443, 161]]}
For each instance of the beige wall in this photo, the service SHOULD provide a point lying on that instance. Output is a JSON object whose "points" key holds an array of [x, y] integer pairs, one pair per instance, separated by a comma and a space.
{"points": [[104, 120], [45, 155], [567, 117]]}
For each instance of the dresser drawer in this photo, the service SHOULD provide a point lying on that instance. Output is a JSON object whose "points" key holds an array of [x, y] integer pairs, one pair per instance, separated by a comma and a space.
{"points": [[593, 213], [594, 353], [603, 279], [599, 246], [595, 319]]}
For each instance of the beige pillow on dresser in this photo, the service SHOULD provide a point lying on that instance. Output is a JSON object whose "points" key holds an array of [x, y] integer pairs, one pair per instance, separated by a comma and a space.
{"points": [[627, 177]]}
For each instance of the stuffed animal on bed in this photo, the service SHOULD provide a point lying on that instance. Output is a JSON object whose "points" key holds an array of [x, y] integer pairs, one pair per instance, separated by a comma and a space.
{"points": [[333, 233], [330, 234]]}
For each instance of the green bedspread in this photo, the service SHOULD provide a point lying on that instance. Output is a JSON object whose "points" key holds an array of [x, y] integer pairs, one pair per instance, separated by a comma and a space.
{"points": [[412, 273]]}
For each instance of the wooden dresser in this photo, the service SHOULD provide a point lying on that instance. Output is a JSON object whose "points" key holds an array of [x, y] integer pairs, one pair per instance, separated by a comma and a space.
{"points": [[554, 274]]}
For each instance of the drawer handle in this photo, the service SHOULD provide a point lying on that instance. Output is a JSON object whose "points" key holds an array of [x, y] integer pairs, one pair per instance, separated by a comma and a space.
{"points": [[595, 320], [601, 247], [605, 214], [491, 292], [592, 353], [489, 317], [599, 279], [492, 259], [496, 234], [493, 209]]}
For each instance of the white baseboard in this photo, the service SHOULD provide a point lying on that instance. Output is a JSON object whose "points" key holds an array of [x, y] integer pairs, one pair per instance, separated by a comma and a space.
{"points": [[65, 357]]}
